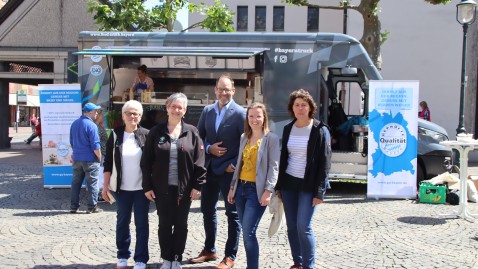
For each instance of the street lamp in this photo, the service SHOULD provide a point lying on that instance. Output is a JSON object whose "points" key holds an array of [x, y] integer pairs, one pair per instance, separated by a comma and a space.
{"points": [[465, 15]]}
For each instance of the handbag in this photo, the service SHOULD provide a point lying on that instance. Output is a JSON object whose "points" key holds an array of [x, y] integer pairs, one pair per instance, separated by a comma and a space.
{"points": [[276, 208], [113, 184]]}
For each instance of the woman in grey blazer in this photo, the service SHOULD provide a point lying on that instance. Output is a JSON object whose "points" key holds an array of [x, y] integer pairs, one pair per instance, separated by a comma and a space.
{"points": [[255, 177]]}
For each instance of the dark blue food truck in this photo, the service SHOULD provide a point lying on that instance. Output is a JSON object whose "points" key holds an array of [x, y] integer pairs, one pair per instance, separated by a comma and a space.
{"points": [[265, 67]]}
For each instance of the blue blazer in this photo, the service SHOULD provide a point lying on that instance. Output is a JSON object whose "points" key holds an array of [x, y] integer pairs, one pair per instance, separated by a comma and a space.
{"points": [[229, 132]]}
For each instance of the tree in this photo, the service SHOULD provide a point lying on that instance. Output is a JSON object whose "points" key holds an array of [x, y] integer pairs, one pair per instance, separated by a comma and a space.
{"points": [[372, 37], [131, 15]]}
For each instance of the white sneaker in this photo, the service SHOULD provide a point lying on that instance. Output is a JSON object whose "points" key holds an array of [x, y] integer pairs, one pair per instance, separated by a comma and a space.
{"points": [[176, 265], [166, 265], [122, 263], [139, 265]]}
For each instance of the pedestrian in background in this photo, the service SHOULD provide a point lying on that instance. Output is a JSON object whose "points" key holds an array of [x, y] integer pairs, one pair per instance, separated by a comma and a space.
{"points": [[86, 157], [303, 171], [220, 126], [424, 113], [173, 169], [33, 121], [124, 150], [255, 177], [99, 121], [36, 133]]}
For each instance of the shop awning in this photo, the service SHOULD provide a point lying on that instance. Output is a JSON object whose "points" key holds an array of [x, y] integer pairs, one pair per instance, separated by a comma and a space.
{"points": [[215, 52]]}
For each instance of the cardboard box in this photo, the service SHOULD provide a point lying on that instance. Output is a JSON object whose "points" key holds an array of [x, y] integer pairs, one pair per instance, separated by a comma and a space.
{"points": [[474, 179]]}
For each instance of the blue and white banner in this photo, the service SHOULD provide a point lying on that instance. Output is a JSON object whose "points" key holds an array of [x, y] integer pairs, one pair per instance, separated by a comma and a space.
{"points": [[392, 139], [60, 105]]}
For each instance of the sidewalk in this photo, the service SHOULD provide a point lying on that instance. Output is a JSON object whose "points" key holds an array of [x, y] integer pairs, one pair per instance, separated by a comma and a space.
{"points": [[37, 231]]}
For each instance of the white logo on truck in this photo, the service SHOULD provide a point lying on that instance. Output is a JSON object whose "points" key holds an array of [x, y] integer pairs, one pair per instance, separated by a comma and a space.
{"points": [[96, 58], [96, 70]]}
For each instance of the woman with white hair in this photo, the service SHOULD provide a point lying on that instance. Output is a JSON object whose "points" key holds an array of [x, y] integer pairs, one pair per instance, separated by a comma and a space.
{"points": [[173, 173], [127, 143]]}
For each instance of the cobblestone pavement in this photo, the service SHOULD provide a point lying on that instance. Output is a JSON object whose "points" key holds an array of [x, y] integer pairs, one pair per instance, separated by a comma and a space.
{"points": [[36, 230]]}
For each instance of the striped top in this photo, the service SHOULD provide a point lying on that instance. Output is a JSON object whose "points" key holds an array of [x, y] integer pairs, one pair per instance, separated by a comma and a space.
{"points": [[297, 147]]}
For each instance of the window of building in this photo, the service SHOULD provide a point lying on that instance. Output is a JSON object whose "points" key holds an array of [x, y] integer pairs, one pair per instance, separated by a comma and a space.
{"points": [[242, 18], [260, 18], [312, 19], [278, 19]]}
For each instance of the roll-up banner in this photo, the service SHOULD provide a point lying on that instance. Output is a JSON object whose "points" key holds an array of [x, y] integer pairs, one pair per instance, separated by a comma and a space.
{"points": [[392, 139], [60, 105]]}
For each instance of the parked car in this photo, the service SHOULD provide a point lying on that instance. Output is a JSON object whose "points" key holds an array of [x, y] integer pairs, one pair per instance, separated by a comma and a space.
{"points": [[432, 158]]}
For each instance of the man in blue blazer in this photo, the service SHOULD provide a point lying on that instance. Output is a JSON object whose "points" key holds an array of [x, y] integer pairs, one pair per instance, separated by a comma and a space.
{"points": [[220, 126]]}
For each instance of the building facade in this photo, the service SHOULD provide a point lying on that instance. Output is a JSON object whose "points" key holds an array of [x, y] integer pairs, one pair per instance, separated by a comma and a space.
{"points": [[424, 44], [37, 39]]}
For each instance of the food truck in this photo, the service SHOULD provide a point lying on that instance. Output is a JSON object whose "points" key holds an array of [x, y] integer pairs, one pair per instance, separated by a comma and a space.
{"points": [[266, 67]]}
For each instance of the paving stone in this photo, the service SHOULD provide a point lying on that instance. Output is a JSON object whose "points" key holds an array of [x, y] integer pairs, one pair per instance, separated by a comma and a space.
{"points": [[37, 231]]}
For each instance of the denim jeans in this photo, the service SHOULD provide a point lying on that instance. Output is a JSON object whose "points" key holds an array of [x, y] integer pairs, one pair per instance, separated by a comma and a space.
{"points": [[128, 202], [250, 213], [90, 172], [30, 139], [299, 213], [172, 223], [209, 198]]}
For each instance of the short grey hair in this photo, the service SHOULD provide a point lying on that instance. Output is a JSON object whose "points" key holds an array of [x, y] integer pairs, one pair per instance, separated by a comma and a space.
{"points": [[179, 96], [132, 104]]}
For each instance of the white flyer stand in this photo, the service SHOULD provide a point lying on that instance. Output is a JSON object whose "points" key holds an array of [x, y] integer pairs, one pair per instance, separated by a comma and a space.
{"points": [[60, 105], [392, 139]]}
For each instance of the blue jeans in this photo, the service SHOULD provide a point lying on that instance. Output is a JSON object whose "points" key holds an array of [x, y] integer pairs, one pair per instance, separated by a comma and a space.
{"points": [[250, 213], [128, 202], [299, 213], [90, 172], [30, 139], [209, 197]]}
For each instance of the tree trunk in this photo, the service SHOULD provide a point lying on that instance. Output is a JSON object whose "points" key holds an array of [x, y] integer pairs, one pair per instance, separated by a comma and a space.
{"points": [[371, 30]]}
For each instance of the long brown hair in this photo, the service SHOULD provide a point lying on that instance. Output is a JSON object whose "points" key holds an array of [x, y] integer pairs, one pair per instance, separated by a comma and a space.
{"points": [[265, 126]]}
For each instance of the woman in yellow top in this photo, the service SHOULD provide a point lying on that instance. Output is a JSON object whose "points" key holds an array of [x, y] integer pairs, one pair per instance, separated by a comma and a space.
{"points": [[254, 181]]}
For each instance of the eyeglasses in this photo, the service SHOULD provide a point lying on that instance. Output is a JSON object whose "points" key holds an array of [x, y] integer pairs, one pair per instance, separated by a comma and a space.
{"points": [[178, 107], [132, 114], [226, 90]]}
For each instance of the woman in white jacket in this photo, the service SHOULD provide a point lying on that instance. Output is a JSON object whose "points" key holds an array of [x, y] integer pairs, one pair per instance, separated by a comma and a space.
{"points": [[255, 177]]}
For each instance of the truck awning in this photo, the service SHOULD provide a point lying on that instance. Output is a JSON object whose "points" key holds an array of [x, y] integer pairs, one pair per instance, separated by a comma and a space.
{"points": [[215, 52]]}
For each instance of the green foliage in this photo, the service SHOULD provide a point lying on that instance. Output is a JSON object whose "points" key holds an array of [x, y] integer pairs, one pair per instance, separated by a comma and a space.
{"points": [[437, 2], [344, 3], [124, 15], [384, 36], [218, 17], [131, 15]]}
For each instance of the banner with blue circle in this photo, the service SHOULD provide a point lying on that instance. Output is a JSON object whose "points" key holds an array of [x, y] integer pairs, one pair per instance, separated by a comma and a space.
{"points": [[393, 140], [60, 105]]}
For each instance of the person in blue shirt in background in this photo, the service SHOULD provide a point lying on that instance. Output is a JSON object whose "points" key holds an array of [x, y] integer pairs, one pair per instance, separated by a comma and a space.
{"points": [[86, 157]]}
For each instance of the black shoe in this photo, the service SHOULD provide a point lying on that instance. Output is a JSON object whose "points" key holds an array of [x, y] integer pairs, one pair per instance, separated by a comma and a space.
{"points": [[73, 210], [26, 142], [94, 210]]}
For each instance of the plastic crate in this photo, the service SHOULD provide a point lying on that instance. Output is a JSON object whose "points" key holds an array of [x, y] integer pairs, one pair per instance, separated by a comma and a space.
{"points": [[432, 194]]}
